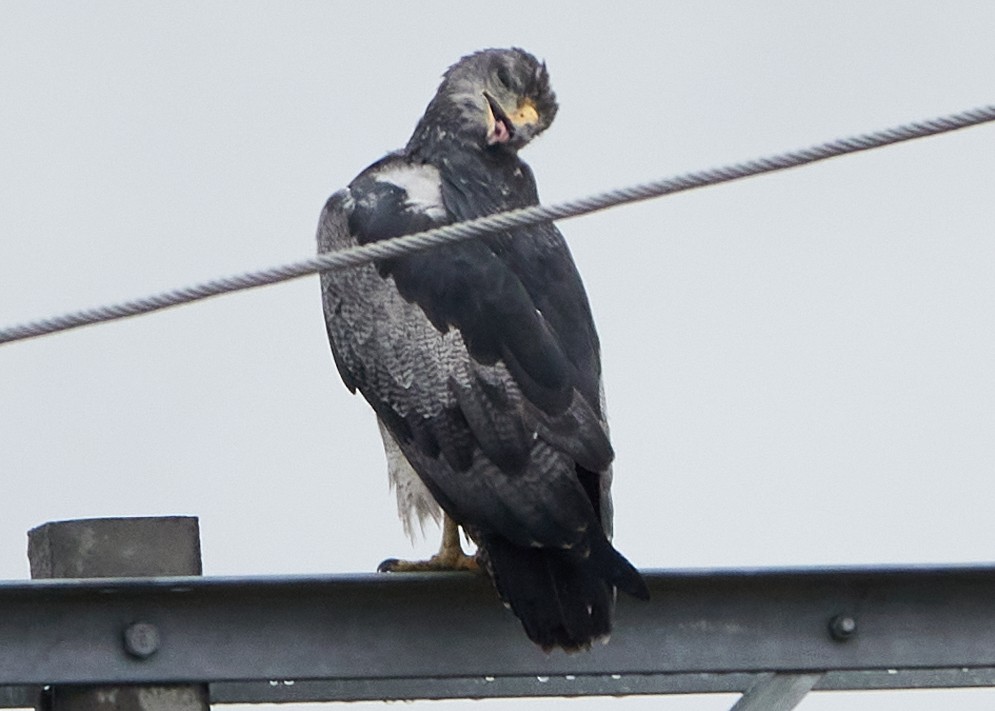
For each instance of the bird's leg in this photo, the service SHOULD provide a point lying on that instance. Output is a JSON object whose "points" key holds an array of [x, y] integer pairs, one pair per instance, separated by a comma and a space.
{"points": [[451, 552], [449, 557]]}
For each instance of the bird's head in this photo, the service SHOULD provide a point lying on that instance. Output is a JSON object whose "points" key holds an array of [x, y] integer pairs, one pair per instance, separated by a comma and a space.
{"points": [[495, 99]]}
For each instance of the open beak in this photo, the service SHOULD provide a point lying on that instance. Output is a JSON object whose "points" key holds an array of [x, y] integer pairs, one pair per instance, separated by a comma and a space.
{"points": [[515, 126]]}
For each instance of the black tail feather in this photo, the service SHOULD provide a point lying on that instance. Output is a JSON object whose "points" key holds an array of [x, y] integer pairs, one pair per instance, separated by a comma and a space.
{"points": [[618, 571], [562, 598]]}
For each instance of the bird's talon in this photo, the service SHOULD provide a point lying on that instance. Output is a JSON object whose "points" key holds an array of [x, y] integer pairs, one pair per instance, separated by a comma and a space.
{"points": [[435, 564]]}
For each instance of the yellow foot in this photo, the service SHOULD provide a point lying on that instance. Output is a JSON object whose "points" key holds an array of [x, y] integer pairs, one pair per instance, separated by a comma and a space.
{"points": [[439, 562], [449, 557]]}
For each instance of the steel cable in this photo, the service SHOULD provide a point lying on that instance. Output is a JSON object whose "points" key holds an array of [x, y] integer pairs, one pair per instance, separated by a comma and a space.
{"points": [[495, 223]]}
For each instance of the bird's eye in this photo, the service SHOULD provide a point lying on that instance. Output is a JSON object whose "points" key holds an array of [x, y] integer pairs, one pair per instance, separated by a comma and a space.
{"points": [[504, 76]]}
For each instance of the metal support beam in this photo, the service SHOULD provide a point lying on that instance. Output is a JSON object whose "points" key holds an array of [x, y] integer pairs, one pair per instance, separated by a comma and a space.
{"points": [[302, 691], [97, 548], [447, 635]]}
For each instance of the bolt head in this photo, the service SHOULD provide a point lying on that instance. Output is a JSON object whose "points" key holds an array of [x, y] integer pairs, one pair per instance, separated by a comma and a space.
{"points": [[842, 627], [141, 639]]}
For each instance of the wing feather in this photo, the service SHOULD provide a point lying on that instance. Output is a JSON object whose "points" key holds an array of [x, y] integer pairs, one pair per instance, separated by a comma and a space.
{"points": [[490, 451]]}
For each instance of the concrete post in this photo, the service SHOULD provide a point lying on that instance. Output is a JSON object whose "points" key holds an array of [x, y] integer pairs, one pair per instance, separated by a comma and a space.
{"points": [[112, 548]]}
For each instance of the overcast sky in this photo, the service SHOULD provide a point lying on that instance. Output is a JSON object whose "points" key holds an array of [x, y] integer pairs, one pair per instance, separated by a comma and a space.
{"points": [[800, 368]]}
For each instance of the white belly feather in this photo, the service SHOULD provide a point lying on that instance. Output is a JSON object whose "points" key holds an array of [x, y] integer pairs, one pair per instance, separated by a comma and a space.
{"points": [[414, 502]]}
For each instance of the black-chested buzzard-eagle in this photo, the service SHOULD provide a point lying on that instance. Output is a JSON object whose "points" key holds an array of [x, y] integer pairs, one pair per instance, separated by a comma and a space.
{"points": [[481, 358]]}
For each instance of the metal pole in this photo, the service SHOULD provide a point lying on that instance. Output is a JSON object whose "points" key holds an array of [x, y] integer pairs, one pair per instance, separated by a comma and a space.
{"points": [[113, 548]]}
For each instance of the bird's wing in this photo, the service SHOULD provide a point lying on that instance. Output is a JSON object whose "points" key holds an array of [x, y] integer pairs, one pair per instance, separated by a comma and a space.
{"points": [[461, 365]]}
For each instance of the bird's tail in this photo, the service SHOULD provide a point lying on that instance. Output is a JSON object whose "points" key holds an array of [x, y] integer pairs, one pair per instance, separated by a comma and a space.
{"points": [[563, 599]]}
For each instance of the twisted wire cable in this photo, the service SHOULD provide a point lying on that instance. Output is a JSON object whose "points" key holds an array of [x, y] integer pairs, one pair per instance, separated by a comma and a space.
{"points": [[499, 222]]}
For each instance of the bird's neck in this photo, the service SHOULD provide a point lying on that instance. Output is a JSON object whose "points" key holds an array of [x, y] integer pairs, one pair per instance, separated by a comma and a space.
{"points": [[476, 181]]}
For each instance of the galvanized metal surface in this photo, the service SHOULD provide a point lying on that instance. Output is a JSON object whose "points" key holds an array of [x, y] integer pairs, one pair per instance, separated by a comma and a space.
{"points": [[299, 691], [283, 691], [440, 636]]}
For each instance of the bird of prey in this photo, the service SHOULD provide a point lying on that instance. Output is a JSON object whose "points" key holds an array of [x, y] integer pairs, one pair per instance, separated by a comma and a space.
{"points": [[481, 358]]}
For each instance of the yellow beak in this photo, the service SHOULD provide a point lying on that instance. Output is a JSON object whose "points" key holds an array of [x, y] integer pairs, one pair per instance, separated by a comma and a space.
{"points": [[505, 125]]}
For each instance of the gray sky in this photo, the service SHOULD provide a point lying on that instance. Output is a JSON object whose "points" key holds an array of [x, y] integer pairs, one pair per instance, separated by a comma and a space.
{"points": [[800, 369]]}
